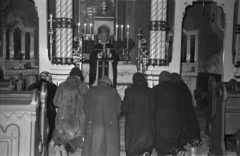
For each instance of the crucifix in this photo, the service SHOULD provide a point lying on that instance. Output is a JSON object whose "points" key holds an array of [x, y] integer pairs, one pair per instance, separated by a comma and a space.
{"points": [[104, 7]]}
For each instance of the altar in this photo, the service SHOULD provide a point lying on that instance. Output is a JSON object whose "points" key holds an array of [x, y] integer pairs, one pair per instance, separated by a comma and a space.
{"points": [[125, 72]]}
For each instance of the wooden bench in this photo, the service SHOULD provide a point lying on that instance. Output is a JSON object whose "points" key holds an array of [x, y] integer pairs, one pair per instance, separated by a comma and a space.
{"points": [[23, 122], [224, 117], [201, 91]]}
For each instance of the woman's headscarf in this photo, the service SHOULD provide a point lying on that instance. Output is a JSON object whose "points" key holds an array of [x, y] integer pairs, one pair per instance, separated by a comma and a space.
{"points": [[139, 78], [164, 77], [176, 77]]}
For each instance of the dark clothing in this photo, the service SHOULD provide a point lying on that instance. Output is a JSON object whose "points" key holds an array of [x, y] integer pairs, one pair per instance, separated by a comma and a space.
{"points": [[139, 105], [167, 117], [190, 126], [70, 116], [93, 63], [102, 107], [51, 109]]}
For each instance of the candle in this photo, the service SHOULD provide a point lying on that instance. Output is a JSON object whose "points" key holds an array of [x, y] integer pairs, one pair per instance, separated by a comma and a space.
{"points": [[78, 27], [116, 32], [121, 32], [127, 39], [90, 30], [85, 28], [127, 35]]}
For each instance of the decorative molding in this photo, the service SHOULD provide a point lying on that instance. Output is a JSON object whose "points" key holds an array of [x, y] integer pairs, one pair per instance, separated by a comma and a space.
{"points": [[18, 114]]}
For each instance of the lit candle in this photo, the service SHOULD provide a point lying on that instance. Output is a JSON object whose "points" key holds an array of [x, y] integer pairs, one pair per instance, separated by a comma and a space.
{"points": [[127, 35], [78, 28], [90, 30], [121, 32], [116, 31], [127, 39], [85, 28]]}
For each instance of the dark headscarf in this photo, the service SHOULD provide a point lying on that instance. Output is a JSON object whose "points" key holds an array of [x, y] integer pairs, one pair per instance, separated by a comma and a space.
{"points": [[138, 78], [164, 77], [176, 77], [76, 72]]}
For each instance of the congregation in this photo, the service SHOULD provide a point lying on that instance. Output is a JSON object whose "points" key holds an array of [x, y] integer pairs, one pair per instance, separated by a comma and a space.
{"points": [[161, 117]]}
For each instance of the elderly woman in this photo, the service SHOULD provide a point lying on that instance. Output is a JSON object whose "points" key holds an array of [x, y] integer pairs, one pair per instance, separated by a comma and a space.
{"points": [[70, 117], [190, 132], [167, 117], [139, 105]]}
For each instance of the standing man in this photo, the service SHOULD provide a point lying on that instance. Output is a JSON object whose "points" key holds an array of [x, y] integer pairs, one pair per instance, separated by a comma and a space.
{"points": [[102, 107], [103, 59], [70, 116], [139, 105]]}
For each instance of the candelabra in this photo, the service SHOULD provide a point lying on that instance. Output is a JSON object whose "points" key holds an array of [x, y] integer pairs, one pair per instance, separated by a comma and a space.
{"points": [[142, 53], [78, 51]]}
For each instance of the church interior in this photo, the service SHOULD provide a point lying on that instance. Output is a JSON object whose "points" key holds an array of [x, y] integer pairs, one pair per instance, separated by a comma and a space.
{"points": [[199, 39]]}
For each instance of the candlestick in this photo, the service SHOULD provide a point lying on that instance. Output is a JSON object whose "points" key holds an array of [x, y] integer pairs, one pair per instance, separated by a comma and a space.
{"points": [[116, 32], [121, 32], [90, 30], [78, 28], [127, 39], [85, 29]]}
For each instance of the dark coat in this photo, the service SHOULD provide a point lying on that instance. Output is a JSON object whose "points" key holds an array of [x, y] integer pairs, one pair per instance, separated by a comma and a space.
{"points": [[102, 107], [93, 62], [70, 116], [190, 126], [51, 109], [167, 117], [139, 105]]}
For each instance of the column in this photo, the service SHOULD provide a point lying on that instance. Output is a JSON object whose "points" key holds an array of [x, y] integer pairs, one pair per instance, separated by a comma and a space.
{"points": [[152, 49], [237, 32], [11, 45], [4, 44], [44, 63], [188, 47], [196, 48], [180, 7], [23, 43], [31, 45], [228, 67], [58, 32], [159, 32]]}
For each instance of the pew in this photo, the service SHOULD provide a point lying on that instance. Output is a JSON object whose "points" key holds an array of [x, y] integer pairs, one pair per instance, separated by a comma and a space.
{"points": [[202, 89], [224, 115], [8, 84], [23, 122]]}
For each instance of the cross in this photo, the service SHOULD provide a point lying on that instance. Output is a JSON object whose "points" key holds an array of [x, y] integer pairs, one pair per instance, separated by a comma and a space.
{"points": [[50, 20], [104, 7]]}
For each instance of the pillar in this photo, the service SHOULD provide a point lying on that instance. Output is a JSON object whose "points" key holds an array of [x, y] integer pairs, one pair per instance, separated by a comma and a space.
{"points": [[23, 33], [31, 45]]}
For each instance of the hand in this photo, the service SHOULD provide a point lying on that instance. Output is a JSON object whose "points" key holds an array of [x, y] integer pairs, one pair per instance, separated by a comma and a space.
{"points": [[109, 54], [100, 55]]}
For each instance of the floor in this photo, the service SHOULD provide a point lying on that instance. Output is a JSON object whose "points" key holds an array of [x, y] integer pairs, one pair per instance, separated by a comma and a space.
{"points": [[203, 151]]}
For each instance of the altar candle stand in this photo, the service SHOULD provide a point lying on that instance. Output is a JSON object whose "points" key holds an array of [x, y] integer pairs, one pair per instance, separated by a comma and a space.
{"points": [[116, 31], [90, 30], [85, 31], [121, 32]]}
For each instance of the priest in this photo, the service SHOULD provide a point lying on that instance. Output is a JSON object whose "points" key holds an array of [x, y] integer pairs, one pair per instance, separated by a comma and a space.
{"points": [[103, 59]]}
